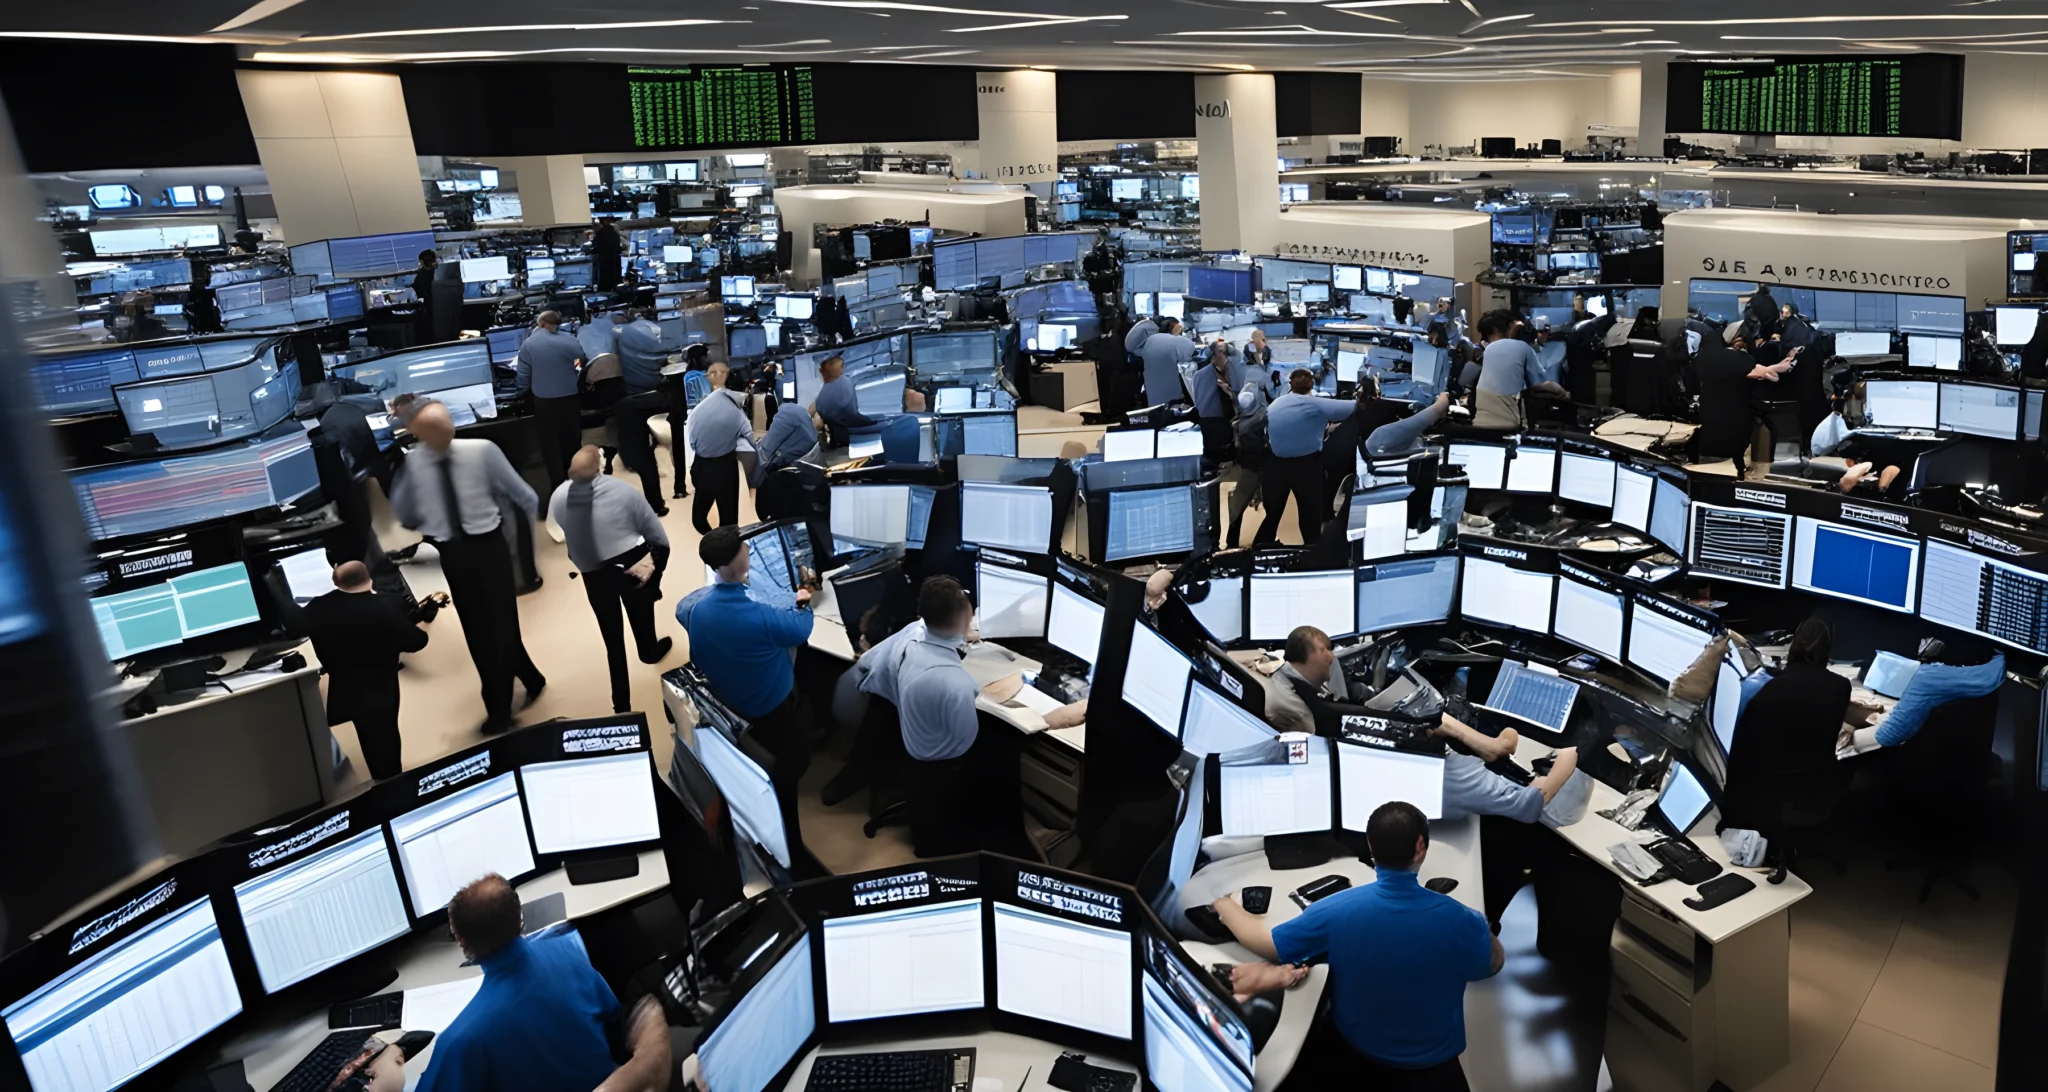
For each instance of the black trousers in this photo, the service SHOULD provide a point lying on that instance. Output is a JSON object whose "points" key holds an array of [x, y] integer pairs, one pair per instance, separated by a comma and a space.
{"points": [[372, 705], [1218, 440], [786, 732], [718, 482], [561, 433], [609, 589], [975, 801], [636, 443], [479, 572], [1328, 1061], [1302, 477], [1576, 899]]}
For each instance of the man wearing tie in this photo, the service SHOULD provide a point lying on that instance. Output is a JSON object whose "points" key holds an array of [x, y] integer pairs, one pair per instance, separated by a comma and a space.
{"points": [[619, 545], [450, 491]]}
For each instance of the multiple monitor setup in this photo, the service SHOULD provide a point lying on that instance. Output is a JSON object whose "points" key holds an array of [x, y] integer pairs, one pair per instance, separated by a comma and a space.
{"points": [[362, 256], [1993, 411], [457, 374], [1005, 261], [217, 406], [129, 984], [1838, 311]]}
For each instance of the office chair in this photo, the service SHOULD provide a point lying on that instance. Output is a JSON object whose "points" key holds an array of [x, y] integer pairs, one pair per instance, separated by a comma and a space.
{"points": [[878, 751], [1945, 770], [1781, 419]]}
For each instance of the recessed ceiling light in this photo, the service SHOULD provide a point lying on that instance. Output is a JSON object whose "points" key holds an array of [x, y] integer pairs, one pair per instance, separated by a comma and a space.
{"points": [[437, 31], [1048, 22]]}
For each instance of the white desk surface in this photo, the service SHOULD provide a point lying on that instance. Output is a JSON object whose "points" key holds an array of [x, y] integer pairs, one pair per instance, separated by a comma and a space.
{"points": [[430, 958], [998, 1055]]}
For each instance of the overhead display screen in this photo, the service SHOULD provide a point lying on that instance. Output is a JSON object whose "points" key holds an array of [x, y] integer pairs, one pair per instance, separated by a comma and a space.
{"points": [[1911, 96], [733, 106]]}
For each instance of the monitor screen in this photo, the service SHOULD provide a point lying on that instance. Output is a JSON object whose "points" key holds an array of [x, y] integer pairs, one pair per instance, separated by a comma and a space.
{"points": [[1485, 465], [541, 270], [314, 913], [1151, 522], [1263, 794], [1977, 410], [203, 410], [1009, 517], [1347, 278], [741, 288], [1064, 972], [1741, 544], [990, 434], [1221, 612], [1852, 563], [186, 606], [1410, 592], [903, 962], [1156, 679], [1669, 515], [1663, 638], [1369, 776], [1127, 189], [437, 370], [1074, 623], [1934, 351], [1172, 305], [759, 1034], [1280, 602], [795, 307], [1863, 343], [462, 837], [1180, 441], [1684, 800], [307, 574], [1505, 596], [1633, 492], [1533, 469], [1009, 602], [142, 498], [1589, 615], [1908, 403], [1213, 724], [109, 1019], [747, 791], [479, 270], [871, 515], [1984, 595], [1727, 708], [2014, 326], [591, 803], [1182, 1051], [1119, 444], [1590, 479]]}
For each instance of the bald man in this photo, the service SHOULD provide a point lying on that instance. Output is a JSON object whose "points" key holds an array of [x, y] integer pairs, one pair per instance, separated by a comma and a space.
{"points": [[618, 544], [718, 431], [359, 635], [455, 492]]}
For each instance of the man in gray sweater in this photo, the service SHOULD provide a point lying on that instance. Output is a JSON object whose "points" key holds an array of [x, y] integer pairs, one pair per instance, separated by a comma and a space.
{"points": [[618, 544]]}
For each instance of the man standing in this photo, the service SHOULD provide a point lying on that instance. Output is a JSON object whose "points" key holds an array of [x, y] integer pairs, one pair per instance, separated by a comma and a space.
{"points": [[551, 366], [1508, 367], [423, 296], [359, 635], [605, 251], [622, 550], [718, 429], [643, 352], [1216, 385], [1389, 935], [838, 404], [747, 651], [1163, 353], [450, 491]]}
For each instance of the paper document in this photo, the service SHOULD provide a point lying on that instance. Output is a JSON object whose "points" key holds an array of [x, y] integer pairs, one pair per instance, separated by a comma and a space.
{"points": [[433, 1008]]}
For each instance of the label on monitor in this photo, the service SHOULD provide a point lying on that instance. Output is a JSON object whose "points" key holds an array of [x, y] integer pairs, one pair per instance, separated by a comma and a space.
{"points": [[1391, 734], [455, 773], [1069, 897], [265, 856], [601, 739]]}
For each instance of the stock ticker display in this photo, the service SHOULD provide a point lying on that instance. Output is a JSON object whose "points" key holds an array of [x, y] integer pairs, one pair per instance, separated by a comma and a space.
{"points": [[702, 107], [1917, 96]]}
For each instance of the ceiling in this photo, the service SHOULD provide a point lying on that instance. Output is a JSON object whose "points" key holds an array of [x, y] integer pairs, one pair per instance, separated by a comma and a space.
{"points": [[1417, 39]]}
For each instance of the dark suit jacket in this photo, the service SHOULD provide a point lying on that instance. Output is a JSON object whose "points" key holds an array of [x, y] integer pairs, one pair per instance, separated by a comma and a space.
{"points": [[1784, 745], [359, 636]]}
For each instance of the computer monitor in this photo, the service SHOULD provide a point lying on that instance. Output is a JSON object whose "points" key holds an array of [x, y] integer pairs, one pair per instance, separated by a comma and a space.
{"points": [[1532, 698], [1684, 800], [202, 410], [1074, 623], [1126, 189], [1347, 278], [1409, 592], [1741, 544], [1063, 971], [1315, 293], [1010, 602], [1590, 479], [1906, 403], [757, 1036], [1120, 444], [1851, 563], [756, 813], [1221, 611], [461, 837], [1850, 343], [1185, 1050], [1978, 409], [871, 515], [112, 1015], [1008, 517], [1665, 636], [1985, 595], [480, 270], [1670, 514], [798, 308], [1213, 724], [1370, 774], [1495, 592], [580, 804], [1533, 469], [1727, 704], [1172, 305], [1486, 465], [1142, 303], [140, 498], [457, 374], [903, 961], [1156, 679], [2013, 327], [1281, 602], [1590, 611], [1634, 493], [185, 606], [1349, 363], [988, 434], [308, 574], [739, 288], [1935, 352], [311, 905], [1261, 792], [1150, 523]]}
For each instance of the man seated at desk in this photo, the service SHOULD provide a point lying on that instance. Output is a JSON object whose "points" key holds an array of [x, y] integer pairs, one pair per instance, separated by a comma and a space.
{"points": [[543, 1021], [1783, 750], [1299, 693], [838, 403], [1515, 849], [1399, 955]]}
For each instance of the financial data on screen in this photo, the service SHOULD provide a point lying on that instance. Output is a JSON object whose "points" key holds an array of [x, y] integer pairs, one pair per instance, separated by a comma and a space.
{"points": [[918, 959], [591, 803], [315, 913], [462, 837], [1062, 971]]}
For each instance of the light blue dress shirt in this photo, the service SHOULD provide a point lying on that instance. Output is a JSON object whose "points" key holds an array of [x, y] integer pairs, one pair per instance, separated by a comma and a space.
{"points": [[933, 694], [1295, 422], [547, 364], [642, 355]]}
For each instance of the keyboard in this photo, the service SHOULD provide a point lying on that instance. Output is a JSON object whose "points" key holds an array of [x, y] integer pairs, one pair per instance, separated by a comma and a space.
{"points": [[893, 1071], [382, 1011], [316, 1070]]}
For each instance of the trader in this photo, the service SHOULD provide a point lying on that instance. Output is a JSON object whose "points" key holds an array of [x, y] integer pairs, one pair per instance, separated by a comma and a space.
{"points": [[1392, 930], [359, 635], [450, 491], [1508, 367], [1140, 331], [1162, 354], [1515, 849], [643, 352], [202, 307], [1405, 434], [791, 436], [1258, 357], [1254, 450], [746, 650], [718, 430], [963, 786], [1294, 428], [551, 366], [1300, 692], [423, 296], [542, 1020], [1215, 390], [619, 545], [1729, 381], [838, 403], [604, 256]]}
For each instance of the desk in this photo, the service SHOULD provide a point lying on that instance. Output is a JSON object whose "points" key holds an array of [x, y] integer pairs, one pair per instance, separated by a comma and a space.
{"points": [[998, 1055], [270, 1049]]}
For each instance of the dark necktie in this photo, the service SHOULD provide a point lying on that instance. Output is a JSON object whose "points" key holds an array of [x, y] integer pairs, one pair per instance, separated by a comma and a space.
{"points": [[455, 528]]}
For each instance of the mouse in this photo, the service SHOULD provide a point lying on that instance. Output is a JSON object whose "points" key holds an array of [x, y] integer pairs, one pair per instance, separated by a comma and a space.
{"points": [[1205, 921], [1442, 885]]}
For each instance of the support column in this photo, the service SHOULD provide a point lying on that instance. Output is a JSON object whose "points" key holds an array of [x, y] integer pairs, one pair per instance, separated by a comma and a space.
{"points": [[551, 189], [1235, 129], [337, 150], [1019, 125], [1650, 116]]}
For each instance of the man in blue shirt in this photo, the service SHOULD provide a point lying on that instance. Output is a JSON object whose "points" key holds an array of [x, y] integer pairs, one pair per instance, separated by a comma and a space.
{"points": [[1295, 425], [1399, 955], [551, 368], [747, 651], [1508, 367], [643, 352], [838, 404], [1215, 387], [1162, 355]]}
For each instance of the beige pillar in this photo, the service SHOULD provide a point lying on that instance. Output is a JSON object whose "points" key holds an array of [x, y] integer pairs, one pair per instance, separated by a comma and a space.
{"points": [[551, 189], [337, 150], [1236, 133], [1019, 126]]}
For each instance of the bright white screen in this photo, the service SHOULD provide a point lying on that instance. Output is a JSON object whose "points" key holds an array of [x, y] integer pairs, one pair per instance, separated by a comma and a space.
{"points": [[1010, 517], [1684, 799], [1216, 725], [315, 913], [903, 962], [1075, 624], [1589, 617], [1277, 797], [1632, 492], [1280, 602], [459, 838], [1009, 603], [748, 793], [1485, 464], [762, 1031], [1222, 613], [1179, 1055], [1493, 592], [1369, 777], [871, 515], [1727, 705], [1156, 679], [1902, 403], [494, 268], [1126, 444], [1062, 971], [2016, 324], [1533, 470], [1863, 343], [590, 803], [1660, 644], [1590, 480]]}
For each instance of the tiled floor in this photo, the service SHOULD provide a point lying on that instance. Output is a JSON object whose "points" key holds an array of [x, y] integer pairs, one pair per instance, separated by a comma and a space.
{"points": [[1887, 995]]}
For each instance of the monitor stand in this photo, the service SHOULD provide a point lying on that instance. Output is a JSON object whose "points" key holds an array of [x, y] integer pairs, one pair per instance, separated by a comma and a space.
{"points": [[602, 869], [1285, 851]]}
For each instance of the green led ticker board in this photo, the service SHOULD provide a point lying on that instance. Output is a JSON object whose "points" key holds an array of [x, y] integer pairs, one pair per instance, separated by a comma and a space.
{"points": [[1918, 96], [728, 107]]}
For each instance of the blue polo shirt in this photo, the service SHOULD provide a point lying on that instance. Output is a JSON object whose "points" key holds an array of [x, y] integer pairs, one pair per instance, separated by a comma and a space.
{"points": [[743, 647], [538, 1023], [1399, 955]]}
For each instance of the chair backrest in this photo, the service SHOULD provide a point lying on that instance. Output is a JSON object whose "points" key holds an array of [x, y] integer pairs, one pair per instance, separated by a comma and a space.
{"points": [[1947, 755]]}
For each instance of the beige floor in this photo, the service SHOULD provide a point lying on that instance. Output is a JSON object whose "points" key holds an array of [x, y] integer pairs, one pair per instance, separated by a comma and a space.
{"points": [[1887, 995]]}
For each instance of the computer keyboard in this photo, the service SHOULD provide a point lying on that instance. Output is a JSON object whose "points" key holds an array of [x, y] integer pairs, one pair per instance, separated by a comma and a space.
{"points": [[316, 1070], [893, 1071], [382, 1011]]}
